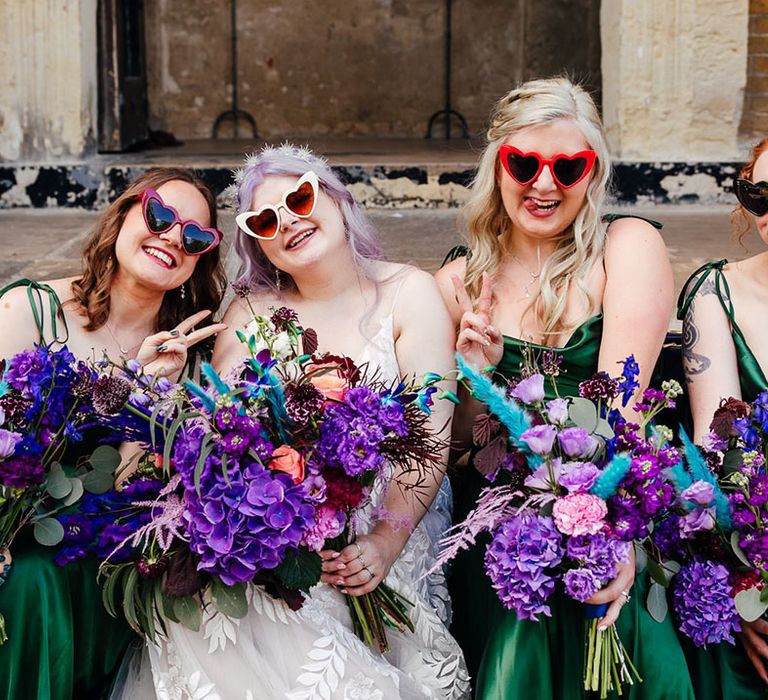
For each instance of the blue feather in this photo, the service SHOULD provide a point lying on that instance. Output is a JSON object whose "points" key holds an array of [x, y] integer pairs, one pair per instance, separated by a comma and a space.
{"points": [[608, 482], [512, 417], [214, 379], [700, 472], [198, 391]]}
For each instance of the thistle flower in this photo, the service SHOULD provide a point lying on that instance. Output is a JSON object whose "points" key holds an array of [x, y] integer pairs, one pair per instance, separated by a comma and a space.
{"points": [[110, 393]]}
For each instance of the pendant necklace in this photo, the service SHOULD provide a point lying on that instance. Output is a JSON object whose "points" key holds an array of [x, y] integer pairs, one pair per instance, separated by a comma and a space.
{"points": [[534, 276], [123, 350]]}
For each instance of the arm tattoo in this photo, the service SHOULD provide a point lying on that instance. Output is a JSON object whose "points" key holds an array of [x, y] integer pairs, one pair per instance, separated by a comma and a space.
{"points": [[694, 363]]}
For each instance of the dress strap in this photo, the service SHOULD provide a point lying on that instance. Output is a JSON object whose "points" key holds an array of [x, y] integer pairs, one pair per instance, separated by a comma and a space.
{"points": [[610, 218], [694, 283], [35, 292], [395, 297]]}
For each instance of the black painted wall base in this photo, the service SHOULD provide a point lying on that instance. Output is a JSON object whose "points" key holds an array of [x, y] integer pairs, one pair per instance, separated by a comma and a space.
{"points": [[91, 186]]}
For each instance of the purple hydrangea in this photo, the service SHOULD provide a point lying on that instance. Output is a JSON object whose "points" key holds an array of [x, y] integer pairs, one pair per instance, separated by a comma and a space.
{"points": [[246, 524], [600, 553], [520, 560], [701, 599], [353, 432]]}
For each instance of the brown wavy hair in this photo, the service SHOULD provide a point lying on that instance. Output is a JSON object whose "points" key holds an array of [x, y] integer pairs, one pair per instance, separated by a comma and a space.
{"points": [[741, 219], [91, 292]]}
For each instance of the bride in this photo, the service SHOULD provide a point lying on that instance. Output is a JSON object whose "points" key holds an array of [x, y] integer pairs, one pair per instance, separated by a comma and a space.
{"points": [[305, 243]]}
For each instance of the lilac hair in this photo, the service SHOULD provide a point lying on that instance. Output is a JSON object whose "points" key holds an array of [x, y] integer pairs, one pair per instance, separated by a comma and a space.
{"points": [[256, 270]]}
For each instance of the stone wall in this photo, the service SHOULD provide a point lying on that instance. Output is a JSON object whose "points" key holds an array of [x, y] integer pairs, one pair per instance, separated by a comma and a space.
{"points": [[48, 90], [674, 73], [754, 123], [356, 67]]}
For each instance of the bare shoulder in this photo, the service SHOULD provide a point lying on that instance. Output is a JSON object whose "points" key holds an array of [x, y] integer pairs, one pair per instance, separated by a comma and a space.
{"points": [[23, 307], [444, 278], [634, 247]]}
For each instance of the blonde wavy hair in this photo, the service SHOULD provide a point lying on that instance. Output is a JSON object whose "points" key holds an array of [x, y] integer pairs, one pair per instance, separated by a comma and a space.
{"points": [[582, 244]]}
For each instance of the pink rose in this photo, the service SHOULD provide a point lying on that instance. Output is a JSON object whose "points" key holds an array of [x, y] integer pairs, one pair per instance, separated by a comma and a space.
{"points": [[330, 383], [579, 514], [286, 459]]}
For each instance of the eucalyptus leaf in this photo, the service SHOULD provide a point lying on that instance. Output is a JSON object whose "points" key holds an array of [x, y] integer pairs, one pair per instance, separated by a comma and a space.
{"points": [[673, 567], [98, 481], [230, 600], [604, 429], [656, 602], [749, 605], [641, 559], [737, 550], [57, 483], [76, 493], [657, 573], [764, 595], [732, 460], [583, 413], [187, 610], [48, 532], [105, 458]]}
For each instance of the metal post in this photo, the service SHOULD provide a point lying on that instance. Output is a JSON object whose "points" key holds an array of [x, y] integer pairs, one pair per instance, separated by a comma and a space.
{"points": [[447, 110], [235, 114]]}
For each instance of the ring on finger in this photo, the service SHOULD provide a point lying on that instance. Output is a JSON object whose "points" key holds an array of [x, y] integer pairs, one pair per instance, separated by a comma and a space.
{"points": [[362, 562], [626, 595], [359, 549], [370, 573]]}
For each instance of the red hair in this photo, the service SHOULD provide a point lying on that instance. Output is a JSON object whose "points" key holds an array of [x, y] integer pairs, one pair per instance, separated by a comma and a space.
{"points": [[740, 217]]}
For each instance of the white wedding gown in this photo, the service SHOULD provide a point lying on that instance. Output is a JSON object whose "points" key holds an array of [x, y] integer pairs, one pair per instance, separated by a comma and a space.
{"points": [[313, 653]]}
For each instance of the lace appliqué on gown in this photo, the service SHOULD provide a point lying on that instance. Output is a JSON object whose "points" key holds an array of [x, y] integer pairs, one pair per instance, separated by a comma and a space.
{"points": [[313, 653]]}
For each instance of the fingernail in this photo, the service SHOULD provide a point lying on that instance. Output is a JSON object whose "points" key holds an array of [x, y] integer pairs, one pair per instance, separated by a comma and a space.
{"points": [[162, 348], [340, 582], [2, 558], [487, 343], [336, 555], [344, 591], [339, 567], [174, 332], [602, 628]]}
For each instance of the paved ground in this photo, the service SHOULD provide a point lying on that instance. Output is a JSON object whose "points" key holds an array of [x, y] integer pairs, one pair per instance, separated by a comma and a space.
{"points": [[45, 244]]}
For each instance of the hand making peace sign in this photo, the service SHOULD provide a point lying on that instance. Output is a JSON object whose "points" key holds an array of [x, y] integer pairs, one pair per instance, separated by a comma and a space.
{"points": [[165, 353], [479, 343]]}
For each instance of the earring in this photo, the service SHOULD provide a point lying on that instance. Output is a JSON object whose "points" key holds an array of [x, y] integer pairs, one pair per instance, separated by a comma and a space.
{"points": [[182, 293], [278, 281]]}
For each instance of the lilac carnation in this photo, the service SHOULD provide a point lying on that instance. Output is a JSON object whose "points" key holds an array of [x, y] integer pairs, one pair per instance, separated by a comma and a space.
{"points": [[699, 492], [529, 390], [581, 584], [539, 439], [702, 601], [519, 561], [576, 442]]}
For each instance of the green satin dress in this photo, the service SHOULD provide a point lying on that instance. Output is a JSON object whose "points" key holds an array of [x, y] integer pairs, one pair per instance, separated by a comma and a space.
{"points": [[511, 659], [723, 671], [62, 644]]}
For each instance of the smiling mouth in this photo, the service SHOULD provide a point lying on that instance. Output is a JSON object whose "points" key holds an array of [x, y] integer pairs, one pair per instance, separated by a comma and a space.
{"points": [[300, 238], [160, 255], [543, 205]]}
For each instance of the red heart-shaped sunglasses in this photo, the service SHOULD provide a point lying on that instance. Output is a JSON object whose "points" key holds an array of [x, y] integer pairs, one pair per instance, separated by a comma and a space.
{"points": [[567, 170]]}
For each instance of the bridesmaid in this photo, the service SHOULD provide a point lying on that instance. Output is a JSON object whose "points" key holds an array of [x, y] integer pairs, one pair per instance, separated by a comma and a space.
{"points": [[544, 269], [729, 300], [152, 260]]}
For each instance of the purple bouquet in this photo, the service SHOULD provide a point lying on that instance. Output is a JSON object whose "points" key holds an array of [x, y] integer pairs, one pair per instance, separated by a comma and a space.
{"points": [[574, 486], [247, 479], [45, 404], [712, 548]]}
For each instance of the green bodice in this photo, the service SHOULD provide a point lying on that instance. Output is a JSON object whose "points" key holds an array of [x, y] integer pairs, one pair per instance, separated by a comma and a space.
{"points": [[751, 376]]}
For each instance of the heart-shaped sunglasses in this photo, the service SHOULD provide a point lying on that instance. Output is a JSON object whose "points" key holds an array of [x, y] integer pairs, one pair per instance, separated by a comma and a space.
{"points": [[567, 170], [161, 217], [299, 201], [753, 196]]}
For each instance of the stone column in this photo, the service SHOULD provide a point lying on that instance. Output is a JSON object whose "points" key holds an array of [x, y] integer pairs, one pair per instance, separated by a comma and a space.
{"points": [[48, 89], [674, 73]]}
